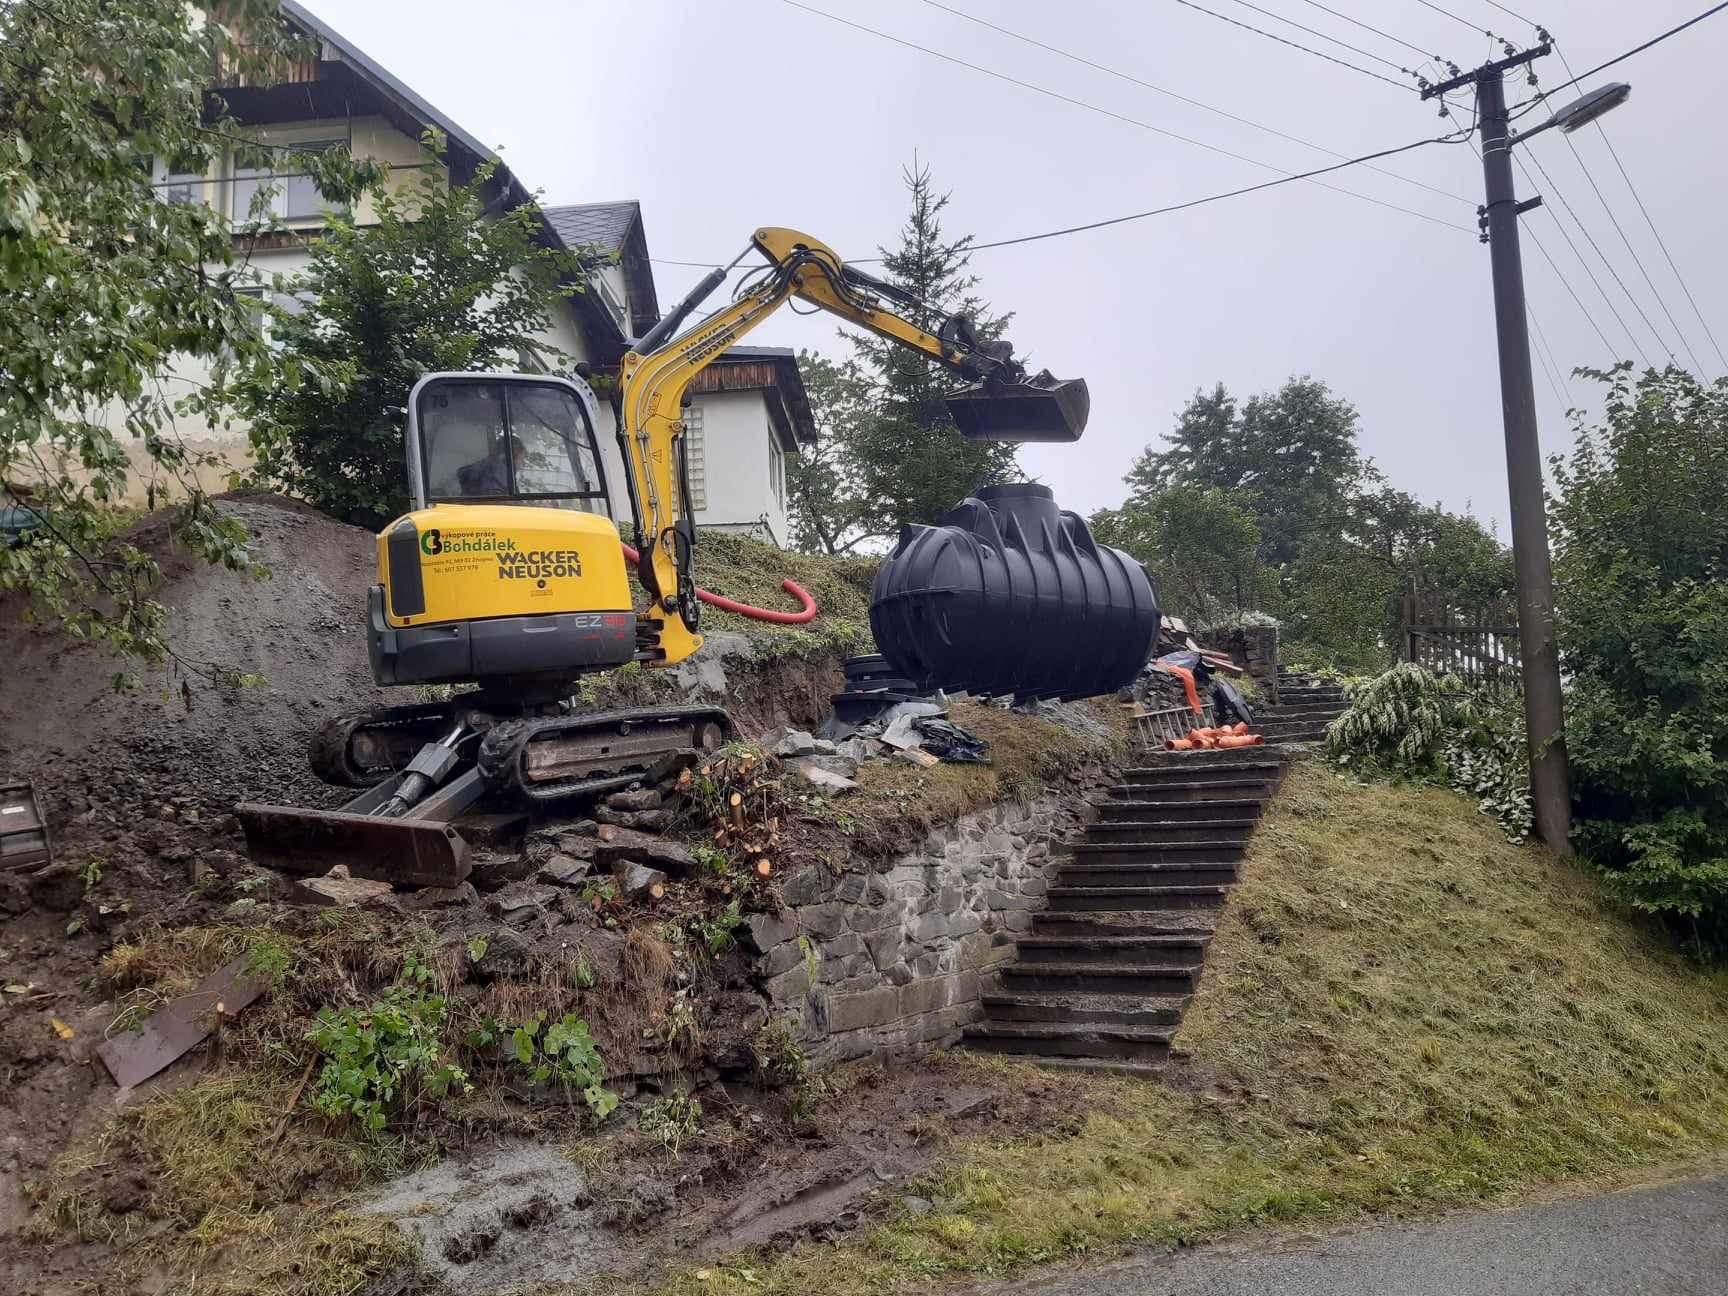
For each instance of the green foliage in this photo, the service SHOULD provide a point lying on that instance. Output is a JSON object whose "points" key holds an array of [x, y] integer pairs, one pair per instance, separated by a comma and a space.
{"points": [[1640, 519], [381, 1058], [436, 282], [671, 1120], [564, 1052], [719, 932], [1411, 723], [1270, 505], [106, 286], [893, 455], [1200, 546]]}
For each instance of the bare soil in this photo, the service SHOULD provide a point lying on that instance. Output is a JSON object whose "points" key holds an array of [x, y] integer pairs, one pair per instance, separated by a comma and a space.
{"points": [[138, 788]]}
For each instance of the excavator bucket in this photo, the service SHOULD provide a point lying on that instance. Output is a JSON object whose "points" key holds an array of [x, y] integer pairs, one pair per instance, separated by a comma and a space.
{"points": [[409, 852], [1045, 409]]}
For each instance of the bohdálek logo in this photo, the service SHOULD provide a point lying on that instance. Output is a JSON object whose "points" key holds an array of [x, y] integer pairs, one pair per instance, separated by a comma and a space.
{"points": [[436, 542]]}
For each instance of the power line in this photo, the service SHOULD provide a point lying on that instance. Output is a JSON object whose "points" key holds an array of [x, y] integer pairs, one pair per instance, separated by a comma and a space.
{"points": [[1396, 40], [1680, 278], [1545, 353], [1428, 4], [1621, 58], [1116, 116], [1565, 283], [1181, 98], [1520, 17], [1292, 44], [1603, 292], [1354, 49], [1607, 264], [1232, 193], [1636, 260]]}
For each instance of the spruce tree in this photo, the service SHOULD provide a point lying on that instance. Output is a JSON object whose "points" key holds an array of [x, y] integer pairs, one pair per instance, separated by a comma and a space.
{"points": [[909, 462]]}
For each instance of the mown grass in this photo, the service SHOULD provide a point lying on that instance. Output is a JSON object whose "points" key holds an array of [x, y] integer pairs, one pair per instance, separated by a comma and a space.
{"points": [[1401, 1010]]}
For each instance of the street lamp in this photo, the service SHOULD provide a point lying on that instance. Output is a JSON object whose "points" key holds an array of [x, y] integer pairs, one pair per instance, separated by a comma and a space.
{"points": [[1581, 112], [1544, 704]]}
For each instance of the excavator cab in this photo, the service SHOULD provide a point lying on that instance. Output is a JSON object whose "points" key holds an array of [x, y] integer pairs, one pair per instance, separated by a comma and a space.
{"points": [[508, 568]]}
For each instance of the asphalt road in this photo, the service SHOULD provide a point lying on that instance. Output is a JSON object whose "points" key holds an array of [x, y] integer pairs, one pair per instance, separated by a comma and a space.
{"points": [[1671, 1240]]}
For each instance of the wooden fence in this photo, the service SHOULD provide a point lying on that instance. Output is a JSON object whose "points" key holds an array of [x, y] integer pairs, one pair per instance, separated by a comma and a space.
{"points": [[1478, 642]]}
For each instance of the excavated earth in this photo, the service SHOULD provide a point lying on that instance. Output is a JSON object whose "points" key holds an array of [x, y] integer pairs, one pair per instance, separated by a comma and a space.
{"points": [[138, 787]]}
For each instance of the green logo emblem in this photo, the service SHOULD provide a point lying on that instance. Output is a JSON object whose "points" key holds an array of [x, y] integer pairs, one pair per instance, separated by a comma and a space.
{"points": [[432, 542]]}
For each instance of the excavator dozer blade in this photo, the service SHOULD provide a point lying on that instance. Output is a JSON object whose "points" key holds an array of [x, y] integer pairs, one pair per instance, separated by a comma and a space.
{"points": [[1041, 410], [411, 852]]}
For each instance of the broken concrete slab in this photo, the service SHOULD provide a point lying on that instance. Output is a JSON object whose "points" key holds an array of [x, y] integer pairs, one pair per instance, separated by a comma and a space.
{"points": [[618, 844], [795, 742], [828, 782], [841, 765], [436, 897], [635, 799], [178, 1026], [642, 820], [522, 902], [564, 870], [340, 889]]}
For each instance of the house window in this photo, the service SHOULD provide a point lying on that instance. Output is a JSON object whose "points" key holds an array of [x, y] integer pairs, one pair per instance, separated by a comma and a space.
{"points": [[696, 457], [180, 180], [288, 194], [777, 468]]}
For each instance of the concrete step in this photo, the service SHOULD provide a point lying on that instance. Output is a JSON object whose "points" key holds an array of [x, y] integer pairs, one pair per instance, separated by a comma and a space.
{"points": [[1132, 810], [1296, 736], [1170, 830], [1139, 897], [1130, 922], [1230, 765], [1064, 1006], [1102, 1066], [1160, 978], [1304, 696], [1177, 788], [1071, 1039], [1299, 711], [1185, 949], [1213, 851], [1113, 873]]}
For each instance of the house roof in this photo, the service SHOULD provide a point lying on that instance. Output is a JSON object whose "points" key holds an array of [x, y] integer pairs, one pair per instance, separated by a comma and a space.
{"points": [[616, 227], [350, 82], [774, 372], [605, 223]]}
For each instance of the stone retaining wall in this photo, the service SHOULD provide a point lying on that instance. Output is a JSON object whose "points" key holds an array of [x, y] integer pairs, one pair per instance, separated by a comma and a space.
{"points": [[1253, 647], [891, 957]]}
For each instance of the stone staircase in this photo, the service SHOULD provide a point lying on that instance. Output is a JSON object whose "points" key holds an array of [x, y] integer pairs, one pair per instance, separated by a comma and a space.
{"points": [[1102, 979], [1306, 705]]}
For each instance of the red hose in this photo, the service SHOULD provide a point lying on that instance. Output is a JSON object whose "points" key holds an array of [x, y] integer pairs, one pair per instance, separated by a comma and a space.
{"points": [[792, 587]]}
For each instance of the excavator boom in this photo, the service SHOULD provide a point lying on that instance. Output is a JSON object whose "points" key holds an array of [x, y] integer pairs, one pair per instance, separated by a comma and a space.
{"points": [[1000, 403]]}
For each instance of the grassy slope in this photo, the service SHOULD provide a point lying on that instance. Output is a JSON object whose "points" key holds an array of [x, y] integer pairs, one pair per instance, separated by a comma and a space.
{"points": [[1400, 1009]]}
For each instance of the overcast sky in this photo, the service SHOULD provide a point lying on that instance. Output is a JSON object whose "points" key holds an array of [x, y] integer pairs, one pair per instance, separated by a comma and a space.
{"points": [[723, 116]]}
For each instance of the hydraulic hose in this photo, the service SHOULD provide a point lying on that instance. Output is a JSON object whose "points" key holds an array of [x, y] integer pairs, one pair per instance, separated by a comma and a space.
{"points": [[805, 613]]}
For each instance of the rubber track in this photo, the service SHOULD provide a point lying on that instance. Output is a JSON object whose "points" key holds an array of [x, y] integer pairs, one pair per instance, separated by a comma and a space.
{"points": [[502, 749]]}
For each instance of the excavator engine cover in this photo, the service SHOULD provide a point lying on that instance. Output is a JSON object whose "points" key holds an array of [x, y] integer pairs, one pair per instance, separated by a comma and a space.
{"points": [[1044, 409], [1009, 594]]}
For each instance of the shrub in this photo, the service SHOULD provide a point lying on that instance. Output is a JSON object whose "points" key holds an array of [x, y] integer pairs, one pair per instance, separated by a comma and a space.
{"points": [[1641, 569], [1409, 722], [382, 1057]]}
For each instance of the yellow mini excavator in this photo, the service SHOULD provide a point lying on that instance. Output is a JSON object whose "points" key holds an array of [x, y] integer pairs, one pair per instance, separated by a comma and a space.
{"points": [[509, 574]]}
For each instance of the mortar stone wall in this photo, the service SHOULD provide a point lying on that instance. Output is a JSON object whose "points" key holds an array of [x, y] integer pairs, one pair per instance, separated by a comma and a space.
{"points": [[1255, 648], [891, 957]]}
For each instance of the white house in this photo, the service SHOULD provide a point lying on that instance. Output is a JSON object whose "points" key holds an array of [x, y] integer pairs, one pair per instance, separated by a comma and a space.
{"points": [[749, 409]]}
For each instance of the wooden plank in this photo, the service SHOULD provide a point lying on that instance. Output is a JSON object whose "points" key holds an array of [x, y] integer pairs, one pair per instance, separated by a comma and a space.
{"points": [[177, 1027]]}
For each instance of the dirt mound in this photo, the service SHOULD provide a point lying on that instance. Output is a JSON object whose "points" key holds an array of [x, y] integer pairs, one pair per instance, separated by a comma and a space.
{"points": [[298, 637]]}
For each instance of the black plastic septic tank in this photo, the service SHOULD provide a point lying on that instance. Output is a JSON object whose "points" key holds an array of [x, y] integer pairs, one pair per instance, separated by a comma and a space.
{"points": [[1010, 594]]}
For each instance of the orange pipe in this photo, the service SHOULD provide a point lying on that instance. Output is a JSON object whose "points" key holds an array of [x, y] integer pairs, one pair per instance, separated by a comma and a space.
{"points": [[805, 613]]}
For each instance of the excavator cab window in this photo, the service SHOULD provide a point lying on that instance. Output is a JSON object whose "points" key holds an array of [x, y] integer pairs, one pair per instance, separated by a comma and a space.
{"points": [[506, 440]]}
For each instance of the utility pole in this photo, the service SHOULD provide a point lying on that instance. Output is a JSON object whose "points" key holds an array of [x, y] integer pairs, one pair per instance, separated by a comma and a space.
{"points": [[1544, 707]]}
